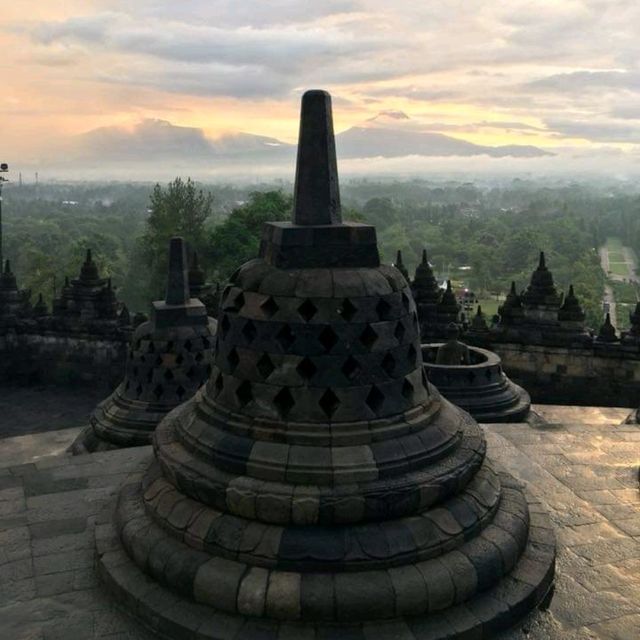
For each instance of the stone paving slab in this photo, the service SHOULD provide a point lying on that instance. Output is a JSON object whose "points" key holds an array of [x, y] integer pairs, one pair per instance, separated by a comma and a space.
{"points": [[584, 472]]}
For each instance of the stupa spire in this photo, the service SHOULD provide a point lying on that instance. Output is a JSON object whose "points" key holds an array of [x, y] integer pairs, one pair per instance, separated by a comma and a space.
{"points": [[316, 191], [399, 265], [177, 280]]}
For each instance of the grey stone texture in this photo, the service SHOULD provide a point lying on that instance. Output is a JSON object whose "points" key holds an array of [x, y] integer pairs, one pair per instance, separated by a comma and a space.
{"points": [[581, 463], [169, 358], [317, 479], [480, 387]]}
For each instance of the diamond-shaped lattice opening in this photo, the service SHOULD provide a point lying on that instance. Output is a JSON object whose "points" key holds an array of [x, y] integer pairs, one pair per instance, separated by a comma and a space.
{"points": [[158, 391], [158, 361], [347, 310], [208, 370], [143, 359], [306, 369], [265, 366], [180, 391], [139, 390], [375, 399], [127, 385], [199, 357], [284, 402], [179, 359], [388, 364], [328, 338], [249, 331], [187, 345], [168, 375], [206, 343], [407, 389], [269, 307], [225, 325], [383, 309], [130, 354], [191, 374], [244, 393], [412, 355], [285, 337], [399, 332], [351, 368], [169, 348], [233, 359], [151, 348], [236, 304], [307, 310], [368, 337], [150, 375], [406, 301], [219, 384], [329, 403], [135, 371]]}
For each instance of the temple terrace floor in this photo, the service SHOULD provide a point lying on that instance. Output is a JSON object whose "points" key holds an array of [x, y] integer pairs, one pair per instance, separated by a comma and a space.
{"points": [[581, 462]]}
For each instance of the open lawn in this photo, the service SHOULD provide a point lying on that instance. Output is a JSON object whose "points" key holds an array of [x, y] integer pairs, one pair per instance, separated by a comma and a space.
{"points": [[616, 256], [489, 307], [622, 315], [619, 269], [614, 244], [624, 291]]}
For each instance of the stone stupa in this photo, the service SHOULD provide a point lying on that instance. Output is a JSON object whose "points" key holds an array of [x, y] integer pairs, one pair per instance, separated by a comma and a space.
{"points": [[318, 486], [169, 358]]}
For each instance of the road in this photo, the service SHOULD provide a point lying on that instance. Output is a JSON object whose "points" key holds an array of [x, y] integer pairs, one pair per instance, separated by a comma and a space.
{"points": [[631, 262]]}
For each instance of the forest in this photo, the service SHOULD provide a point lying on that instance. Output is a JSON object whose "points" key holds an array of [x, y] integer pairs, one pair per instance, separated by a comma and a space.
{"points": [[481, 235]]}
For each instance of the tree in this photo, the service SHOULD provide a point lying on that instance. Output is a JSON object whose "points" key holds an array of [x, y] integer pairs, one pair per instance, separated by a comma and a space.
{"points": [[237, 239], [179, 209]]}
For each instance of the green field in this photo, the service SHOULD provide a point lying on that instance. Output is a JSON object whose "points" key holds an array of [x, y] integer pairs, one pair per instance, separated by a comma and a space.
{"points": [[624, 291], [614, 244], [489, 307], [619, 269], [616, 256], [622, 316]]}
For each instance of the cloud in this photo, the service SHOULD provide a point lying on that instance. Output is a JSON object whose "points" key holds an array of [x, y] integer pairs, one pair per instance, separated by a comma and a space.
{"points": [[580, 81], [606, 131]]}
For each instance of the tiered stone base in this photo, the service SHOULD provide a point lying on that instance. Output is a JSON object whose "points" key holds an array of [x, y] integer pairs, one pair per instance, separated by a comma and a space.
{"points": [[119, 422], [482, 389], [473, 574]]}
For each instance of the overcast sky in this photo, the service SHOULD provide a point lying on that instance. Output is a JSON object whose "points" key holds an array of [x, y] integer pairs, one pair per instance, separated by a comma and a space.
{"points": [[562, 73]]}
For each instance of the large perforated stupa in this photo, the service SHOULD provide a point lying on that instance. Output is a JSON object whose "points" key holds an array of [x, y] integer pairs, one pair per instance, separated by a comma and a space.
{"points": [[318, 486]]}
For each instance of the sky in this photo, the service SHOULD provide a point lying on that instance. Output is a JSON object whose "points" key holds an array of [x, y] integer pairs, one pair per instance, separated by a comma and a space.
{"points": [[561, 75]]}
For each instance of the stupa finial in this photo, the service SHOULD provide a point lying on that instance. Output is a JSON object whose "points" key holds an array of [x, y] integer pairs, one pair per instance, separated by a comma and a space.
{"points": [[541, 262], [316, 191], [177, 281]]}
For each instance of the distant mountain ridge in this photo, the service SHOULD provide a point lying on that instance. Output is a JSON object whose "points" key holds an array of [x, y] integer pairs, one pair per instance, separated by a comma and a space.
{"points": [[391, 134]]}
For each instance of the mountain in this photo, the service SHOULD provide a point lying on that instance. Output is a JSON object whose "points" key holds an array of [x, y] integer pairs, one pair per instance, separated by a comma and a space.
{"points": [[390, 134], [147, 141]]}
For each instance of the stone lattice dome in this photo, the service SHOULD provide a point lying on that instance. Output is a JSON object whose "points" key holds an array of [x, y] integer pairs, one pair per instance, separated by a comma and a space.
{"points": [[318, 486], [168, 359]]}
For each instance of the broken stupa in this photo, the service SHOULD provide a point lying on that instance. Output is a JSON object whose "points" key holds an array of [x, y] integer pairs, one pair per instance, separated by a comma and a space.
{"points": [[318, 486], [169, 358]]}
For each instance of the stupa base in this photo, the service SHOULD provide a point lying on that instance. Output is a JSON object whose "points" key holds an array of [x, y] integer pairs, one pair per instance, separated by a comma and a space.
{"points": [[526, 587]]}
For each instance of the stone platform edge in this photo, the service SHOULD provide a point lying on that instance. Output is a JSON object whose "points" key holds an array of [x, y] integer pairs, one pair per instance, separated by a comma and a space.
{"points": [[527, 587]]}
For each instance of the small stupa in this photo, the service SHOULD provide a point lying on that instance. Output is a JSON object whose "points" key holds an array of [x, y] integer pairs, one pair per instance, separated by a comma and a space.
{"points": [[169, 358]]}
